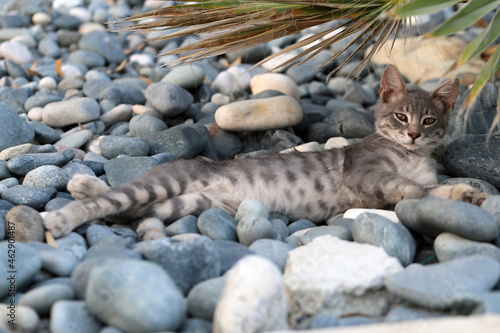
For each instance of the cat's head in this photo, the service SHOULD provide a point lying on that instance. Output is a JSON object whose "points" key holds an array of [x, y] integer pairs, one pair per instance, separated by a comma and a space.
{"points": [[414, 118]]}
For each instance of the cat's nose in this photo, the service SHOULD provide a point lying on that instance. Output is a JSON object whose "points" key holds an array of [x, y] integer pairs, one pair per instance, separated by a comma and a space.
{"points": [[414, 135]]}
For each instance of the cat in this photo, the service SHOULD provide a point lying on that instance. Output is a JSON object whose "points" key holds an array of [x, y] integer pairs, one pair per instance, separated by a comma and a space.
{"points": [[379, 171]]}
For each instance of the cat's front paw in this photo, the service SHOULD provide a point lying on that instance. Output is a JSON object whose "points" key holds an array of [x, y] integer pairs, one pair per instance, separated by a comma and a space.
{"points": [[86, 186], [56, 223], [466, 193]]}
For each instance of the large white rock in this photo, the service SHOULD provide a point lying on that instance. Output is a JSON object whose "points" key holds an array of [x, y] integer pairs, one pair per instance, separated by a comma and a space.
{"points": [[275, 81], [253, 298], [17, 52], [259, 114], [336, 277]]}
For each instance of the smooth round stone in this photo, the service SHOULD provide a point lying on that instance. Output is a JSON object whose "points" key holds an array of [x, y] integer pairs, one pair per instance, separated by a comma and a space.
{"points": [[87, 58], [432, 216], [356, 93], [449, 247], [55, 261], [394, 238], [56, 203], [112, 146], [281, 228], [436, 286], [182, 141], [4, 171], [122, 94], [227, 84], [74, 312], [26, 319], [13, 129], [349, 123], [217, 225], [273, 250], [259, 300], [41, 299], [76, 140], [23, 164], [492, 206], [122, 170], [94, 86], [168, 99], [226, 144], [96, 233], [79, 110], [73, 168], [29, 196], [188, 262], [145, 125], [27, 265], [73, 244], [335, 231], [229, 253], [301, 74], [49, 48], [161, 306], [27, 224], [259, 114], [43, 133], [70, 72], [11, 152], [46, 176], [48, 83], [196, 325], [203, 298], [39, 101], [41, 18], [300, 225], [220, 99], [253, 227], [122, 112], [185, 76], [184, 225], [16, 52], [35, 114], [275, 81], [103, 43], [251, 207]]}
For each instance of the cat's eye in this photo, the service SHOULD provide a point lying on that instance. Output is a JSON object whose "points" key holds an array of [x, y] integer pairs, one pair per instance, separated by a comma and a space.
{"points": [[429, 121], [402, 117]]}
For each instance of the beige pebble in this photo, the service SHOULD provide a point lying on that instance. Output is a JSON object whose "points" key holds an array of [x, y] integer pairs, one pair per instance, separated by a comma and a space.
{"points": [[122, 112], [142, 109], [28, 224], [87, 27], [310, 146], [35, 113], [41, 18], [220, 99], [11, 152], [336, 142], [275, 81], [259, 114]]}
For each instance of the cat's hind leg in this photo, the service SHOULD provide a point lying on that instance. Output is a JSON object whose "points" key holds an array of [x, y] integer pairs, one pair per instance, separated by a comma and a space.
{"points": [[460, 192]]}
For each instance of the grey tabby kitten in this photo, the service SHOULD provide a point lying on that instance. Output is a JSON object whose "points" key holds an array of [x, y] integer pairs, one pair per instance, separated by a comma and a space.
{"points": [[384, 168]]}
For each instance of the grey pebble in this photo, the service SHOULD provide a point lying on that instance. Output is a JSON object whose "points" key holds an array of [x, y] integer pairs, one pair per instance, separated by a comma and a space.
{"points": [[73, 168], [252, 227], [41, 298], [92, 88], [55, 261], [43, 133], [112, 146], [184, 225], [217, 225], [36, 198], [302, 73], [492, 206], [449, 246], [168, 99], [40, 100], [13, 129], [229, 253], [406, 313], [435, 286], [477, 303], [273, 250], [196, 325], [394, 238], [185, 76], [432, 216], [281, 228], [357, 93], [96, 233], [181, 141], [335, 231], [22, 164], [104, 44], [4, 171], [87, 58], [46, 176], [122, 94], [76, 140], [56, 203], [144, 125], [203, 298], [300, 225], [74, 312], [48, 47], [143, 298], [78, 110], [121, 170]]}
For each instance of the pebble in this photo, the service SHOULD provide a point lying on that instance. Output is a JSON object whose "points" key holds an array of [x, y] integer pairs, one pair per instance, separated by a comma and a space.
{"points": [[74, 312], [145, 125], [168, 99], [275, 81], [113, 146], [253, 298], [432, 216], [122, 94], [143, 297], [335, 231], [26, 223], [477, 303], [187, 262], [181, 141], [41, 299], [43, 133], [227, 84], [449, 247], [16, 52], [11, 152], [353, 213], [203, 298], [13, 129], [300, 225], [79, 110], [47, 83], [492, 206], [185, 76], [101, 42], [253, 227], [229, 253], [336, 267], [394, 238], [251, 206], [29, 196], [41, 18], [87, 58], [435, 286], [76, 140], [124, 169], [479, 184], [273, 250], [217, 225], [55, 261], [26, 319], [259, 114], [28, 263], [185, 225], [39, 101], [23, 164]]}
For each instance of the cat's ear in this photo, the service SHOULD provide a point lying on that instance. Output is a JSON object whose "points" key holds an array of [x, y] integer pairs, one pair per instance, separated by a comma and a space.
{"points": [[392, 85], [446, 95]]}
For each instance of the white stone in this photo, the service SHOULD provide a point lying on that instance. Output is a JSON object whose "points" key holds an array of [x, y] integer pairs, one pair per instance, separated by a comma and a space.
{"points": [[87, 27], [142, 59], [41, 18], [26, 319], [259, 114], [226, 83], [11, 152], [83, 14], [121, 112], [336, 142], [253, 298], [16, 52], [273, 64], [310, 146], [47, 83], [337, 277], [275, 81], [35, 113], [241, 75], [71, 72], [388, 214], [27, 40], [57, 4], [251, 206]]}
